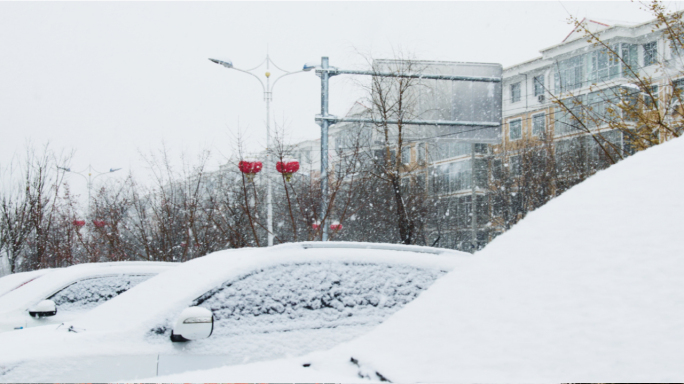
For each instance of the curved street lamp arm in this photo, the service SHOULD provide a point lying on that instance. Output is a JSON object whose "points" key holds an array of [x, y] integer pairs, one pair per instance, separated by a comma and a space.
{"points": [[103, 173], [67, 170], [287, 74], [274, 64], [260, 64], [263, 87]]}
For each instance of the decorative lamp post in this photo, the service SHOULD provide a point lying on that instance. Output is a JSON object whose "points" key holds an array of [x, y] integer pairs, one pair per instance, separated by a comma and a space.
{"points": [[250, 167], [89, 179], [287, 167], [268, 95]]}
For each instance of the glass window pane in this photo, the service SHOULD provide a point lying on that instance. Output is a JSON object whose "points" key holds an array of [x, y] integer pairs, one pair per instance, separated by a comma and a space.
{"points": [[538, 124], [515, 128]]}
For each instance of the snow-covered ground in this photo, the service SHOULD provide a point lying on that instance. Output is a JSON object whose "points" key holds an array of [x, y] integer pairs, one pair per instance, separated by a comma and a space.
{"points": [[588, 288]]}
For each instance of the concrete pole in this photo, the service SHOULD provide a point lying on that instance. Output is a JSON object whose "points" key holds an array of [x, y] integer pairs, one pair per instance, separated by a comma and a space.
{"points": [[325, 77]]}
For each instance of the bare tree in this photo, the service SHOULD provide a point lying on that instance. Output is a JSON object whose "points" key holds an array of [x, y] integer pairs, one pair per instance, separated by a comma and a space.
{"points": [[394, 99]]}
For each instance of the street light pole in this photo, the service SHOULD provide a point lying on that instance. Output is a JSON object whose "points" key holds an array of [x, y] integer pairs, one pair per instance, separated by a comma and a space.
{"points": [[268, 96], [269, 203], [89, 179]]}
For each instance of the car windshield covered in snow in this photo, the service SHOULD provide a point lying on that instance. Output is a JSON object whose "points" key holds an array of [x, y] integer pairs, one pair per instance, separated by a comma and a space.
{"points": [[91, 292], [312, 296]]}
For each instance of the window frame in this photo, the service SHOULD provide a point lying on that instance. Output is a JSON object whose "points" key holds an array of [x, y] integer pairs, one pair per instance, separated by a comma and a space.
{"points": [[539, 86], [510, 129], [535, 118], [653, 53], [516, 96], [406, 155]]}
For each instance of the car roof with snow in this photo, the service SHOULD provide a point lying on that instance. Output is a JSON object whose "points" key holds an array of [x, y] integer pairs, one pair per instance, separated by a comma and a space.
{"points": [[50, 283], [157, 299]]}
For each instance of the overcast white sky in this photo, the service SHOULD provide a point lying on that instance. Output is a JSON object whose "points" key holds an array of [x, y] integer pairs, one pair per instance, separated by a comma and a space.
{"points": [[112, 79]]}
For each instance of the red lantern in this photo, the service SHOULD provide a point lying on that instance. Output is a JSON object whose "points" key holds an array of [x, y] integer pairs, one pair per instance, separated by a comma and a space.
{"points": [[287, 167], [250, 167], [316, 225], [336, 226], [99, 223], [78, 223]]}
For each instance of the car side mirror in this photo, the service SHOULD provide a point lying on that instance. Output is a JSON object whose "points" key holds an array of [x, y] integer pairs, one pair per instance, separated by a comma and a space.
{"points": [[194, 323], [43, 309]]}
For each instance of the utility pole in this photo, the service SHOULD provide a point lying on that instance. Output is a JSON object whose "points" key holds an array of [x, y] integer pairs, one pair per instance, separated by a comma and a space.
{"points": [[325, 86]]}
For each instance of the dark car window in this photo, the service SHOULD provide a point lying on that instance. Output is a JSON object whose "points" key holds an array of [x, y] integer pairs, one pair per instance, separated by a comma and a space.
{"points": [[314, 295], [89, 293]]}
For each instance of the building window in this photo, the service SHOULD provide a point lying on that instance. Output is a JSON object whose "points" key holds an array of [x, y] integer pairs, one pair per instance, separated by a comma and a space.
{"points": [[568, 119], [515, 92], [538, 124], [406, 155], [568, 74], [515, 129], [515, 165], [421, 153], [451, 177], [604, 64], [651, 102], [538, 85], [449, 148], [650, 53], [629, 55]]}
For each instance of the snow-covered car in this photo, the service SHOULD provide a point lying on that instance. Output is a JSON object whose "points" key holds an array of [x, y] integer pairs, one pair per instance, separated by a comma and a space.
{"points": [[230, 307], [13, 281], [54, 296]]}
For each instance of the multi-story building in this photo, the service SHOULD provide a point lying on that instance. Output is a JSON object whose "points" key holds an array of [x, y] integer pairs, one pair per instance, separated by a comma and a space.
{"points": [[570, 98]]}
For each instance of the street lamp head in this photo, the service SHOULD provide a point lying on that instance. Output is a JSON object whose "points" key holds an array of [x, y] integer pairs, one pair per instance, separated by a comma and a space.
{"points": [[114, 169], [225, 63], [64, 169], [308, 66]]}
